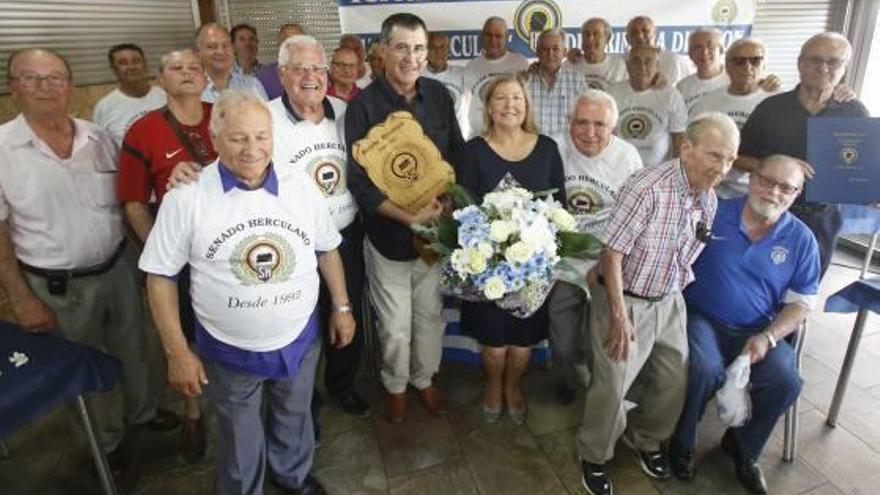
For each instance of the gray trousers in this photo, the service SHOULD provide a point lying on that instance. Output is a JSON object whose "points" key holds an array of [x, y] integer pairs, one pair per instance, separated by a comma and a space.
{"points": [[246, 441], [106, 312], [406, 296], [569, 312], [657, 357]]}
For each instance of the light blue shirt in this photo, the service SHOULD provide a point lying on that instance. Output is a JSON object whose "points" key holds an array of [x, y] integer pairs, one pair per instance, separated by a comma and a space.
{"points": [[237, 80]]}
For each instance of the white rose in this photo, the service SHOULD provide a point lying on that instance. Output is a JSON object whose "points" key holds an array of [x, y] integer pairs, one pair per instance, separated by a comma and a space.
{"points": [[457, 260], [476, 261], [494, 288], [537, 234], [499, 230], [485, 249], [518, 252], [563, 219]]}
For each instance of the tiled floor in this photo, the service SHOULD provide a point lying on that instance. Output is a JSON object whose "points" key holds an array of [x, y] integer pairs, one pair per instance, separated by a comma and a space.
{"points": [[460, 455]]}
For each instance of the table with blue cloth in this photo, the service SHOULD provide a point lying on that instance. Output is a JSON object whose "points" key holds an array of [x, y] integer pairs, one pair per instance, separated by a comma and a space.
{"points": [[40, 371], [862, 296]]}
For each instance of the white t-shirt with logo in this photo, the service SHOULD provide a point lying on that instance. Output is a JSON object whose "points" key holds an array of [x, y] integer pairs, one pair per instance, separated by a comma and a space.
{"points": [[480, 71], [117, 111], [453, 79], [317, 150], [605, 73], [647, 118], [251, 255], [591, 184], [692, 88], [674, 66], [738, 108]]}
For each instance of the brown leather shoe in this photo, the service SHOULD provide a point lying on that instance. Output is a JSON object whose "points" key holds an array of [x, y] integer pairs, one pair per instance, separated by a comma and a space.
{"points": [[395, 407], [433, 400]]}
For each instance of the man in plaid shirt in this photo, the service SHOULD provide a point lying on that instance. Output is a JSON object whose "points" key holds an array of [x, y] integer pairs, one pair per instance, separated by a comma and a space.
{"points": [[660, 223], [553, 85]]}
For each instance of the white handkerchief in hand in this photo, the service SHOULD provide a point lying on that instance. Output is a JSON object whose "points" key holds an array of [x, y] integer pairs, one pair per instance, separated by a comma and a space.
{"points": [[733, 399]]}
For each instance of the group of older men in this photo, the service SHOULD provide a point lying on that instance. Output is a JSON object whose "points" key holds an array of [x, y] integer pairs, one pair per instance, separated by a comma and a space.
{"points": [[264, 197]]}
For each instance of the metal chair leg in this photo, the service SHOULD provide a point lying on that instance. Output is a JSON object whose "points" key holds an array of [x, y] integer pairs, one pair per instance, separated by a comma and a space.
{"points": [[789, 442], [104, 474]]}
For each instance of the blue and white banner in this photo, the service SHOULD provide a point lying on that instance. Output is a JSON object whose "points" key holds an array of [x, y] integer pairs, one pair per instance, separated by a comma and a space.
{"points": [[463, 19]]}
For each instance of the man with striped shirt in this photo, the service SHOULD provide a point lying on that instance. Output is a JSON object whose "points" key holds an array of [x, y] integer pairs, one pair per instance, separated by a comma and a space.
{"points": [[660, 223]]}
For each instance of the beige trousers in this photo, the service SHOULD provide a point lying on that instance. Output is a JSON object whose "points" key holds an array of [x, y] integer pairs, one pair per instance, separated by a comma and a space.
{"points": [[657, 361], [406, 297]]}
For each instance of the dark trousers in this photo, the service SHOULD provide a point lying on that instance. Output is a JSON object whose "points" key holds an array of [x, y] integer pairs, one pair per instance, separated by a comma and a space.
{"points": [[824, 221], [342, 364], [775, 383]]}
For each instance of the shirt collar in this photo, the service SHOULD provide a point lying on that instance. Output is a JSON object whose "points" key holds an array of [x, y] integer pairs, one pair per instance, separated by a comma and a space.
{"points": [[775, 232], [328, 109], [230, 181], [393, 95], [22, 134], [684, 187]]}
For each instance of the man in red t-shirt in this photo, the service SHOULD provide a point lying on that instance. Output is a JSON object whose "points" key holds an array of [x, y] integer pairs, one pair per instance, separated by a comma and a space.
{"points": [[152, 147]]}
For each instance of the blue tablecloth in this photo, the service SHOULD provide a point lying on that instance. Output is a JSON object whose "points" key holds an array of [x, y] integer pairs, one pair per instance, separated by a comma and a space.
{"points": [[859, 219], [56, 371], [855, 296]]}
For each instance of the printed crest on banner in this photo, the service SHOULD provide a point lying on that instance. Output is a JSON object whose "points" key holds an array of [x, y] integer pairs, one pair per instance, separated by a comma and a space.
{"points": [[724, 11], [533, 16], [636, 126], [259, 259], [778, 255]]}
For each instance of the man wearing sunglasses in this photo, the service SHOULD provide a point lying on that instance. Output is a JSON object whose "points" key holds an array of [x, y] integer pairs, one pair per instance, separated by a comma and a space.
{"points": [[744, 63], [779, 125], [754, 283]]}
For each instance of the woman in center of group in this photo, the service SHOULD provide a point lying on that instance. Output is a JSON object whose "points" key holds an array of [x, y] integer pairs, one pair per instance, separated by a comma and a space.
{"points": [[509, 145]]}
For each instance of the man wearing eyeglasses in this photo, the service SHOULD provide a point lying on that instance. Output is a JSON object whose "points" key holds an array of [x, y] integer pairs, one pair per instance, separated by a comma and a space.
{"points": [[343, 74], [755, 282], [744, 64], [63, 258], [779, 125], [405, 289], [660, 222]]}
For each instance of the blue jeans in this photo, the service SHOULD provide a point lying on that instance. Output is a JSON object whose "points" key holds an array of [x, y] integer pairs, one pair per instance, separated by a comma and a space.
{"points": [[775, 383]]}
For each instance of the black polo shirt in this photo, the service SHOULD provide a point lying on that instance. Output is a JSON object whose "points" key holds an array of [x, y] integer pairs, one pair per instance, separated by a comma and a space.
{"points": [[779, 125], [433, 108]]}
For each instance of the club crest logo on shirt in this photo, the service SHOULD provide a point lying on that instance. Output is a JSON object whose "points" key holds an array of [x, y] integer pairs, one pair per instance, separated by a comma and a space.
{"points": [[327, 174], [584, 201], [848, 155], [534, 16], [778, 255], [635, 126], [724, 12], [261, 259]]}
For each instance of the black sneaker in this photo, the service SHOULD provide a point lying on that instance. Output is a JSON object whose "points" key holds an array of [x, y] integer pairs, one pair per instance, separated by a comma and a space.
{"points": [[654, 463], [681, 461], [354, 404], [595, 479]]}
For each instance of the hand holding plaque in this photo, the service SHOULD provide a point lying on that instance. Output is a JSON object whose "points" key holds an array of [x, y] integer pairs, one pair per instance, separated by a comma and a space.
{"points": [[403, 162]]}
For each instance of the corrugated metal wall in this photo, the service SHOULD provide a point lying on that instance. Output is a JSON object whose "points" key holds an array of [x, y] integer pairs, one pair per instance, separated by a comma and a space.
{"points": [[83, 31]]}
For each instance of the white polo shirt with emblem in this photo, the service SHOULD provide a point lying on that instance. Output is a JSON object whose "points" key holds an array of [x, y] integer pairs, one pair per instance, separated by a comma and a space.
{"points": [[591, 184], [605, 73], [252, 255], [477, 73], [692, 88], [647, 118], [317, 150], [62, 212]]}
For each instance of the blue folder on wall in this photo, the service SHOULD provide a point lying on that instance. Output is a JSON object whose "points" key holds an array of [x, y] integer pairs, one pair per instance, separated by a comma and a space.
{"points": [[845, 151]]}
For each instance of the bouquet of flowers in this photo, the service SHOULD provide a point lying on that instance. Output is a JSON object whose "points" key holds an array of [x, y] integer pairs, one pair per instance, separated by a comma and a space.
{"points": [[505, 250]]}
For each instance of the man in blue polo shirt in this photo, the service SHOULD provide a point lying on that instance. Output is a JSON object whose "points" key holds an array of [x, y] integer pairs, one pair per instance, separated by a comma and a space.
{"points": [[755, 282]]}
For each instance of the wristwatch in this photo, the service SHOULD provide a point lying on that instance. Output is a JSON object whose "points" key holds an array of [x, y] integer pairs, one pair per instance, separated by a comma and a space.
{"points": [[346, 308], [770, 339]]}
